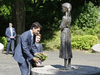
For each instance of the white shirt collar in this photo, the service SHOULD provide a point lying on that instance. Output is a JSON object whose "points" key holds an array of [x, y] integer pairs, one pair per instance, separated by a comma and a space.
{"points": [[31, 32]]}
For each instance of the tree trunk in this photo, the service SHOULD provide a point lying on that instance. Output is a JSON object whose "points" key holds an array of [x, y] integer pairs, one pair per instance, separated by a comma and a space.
{"points": [[99, 3], [18, 15]]}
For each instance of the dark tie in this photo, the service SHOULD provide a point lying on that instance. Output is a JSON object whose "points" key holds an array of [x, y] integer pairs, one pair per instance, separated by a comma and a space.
{"points": [[33, 39], [34, 36]]}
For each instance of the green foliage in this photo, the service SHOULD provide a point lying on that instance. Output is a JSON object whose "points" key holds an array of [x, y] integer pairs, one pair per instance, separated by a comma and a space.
{"points": [[75, 30], [5, 11], [83, 42], [50, 42], [87, 16], [41, 56], [3, 40], [5, 15], [46, 12]]}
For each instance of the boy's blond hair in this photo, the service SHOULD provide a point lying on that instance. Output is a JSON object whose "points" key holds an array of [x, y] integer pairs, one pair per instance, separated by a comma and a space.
{"points": [[38, 35]]}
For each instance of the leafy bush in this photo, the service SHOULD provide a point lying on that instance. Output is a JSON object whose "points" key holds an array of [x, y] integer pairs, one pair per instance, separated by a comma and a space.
{"points": [[78, 32], [5, 11], [75, 30], [87, 17], [83, 42], [3, 40]]}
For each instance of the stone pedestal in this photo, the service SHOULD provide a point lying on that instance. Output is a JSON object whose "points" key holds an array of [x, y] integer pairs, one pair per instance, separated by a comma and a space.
{"points": [[54, 70], [96, 47], [1, 47], [44, 70]]}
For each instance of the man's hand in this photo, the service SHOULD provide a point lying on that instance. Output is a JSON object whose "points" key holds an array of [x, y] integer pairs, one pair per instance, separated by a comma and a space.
{"points": [[37, 64], [36, 60], [12, 37]]}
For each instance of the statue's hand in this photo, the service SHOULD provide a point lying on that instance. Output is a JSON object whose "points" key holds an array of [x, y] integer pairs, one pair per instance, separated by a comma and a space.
{"points": [[60, 27]]}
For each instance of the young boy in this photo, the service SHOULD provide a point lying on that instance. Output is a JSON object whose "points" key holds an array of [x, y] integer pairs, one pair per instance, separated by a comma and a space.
{"points": [[38, 45], [39, 48]]}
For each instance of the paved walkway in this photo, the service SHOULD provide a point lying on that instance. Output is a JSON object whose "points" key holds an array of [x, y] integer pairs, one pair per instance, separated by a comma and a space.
{"points": [[8, 66]]}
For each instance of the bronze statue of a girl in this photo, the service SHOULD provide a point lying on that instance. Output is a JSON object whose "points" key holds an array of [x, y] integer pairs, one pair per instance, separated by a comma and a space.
{"points": [[65, 46]]}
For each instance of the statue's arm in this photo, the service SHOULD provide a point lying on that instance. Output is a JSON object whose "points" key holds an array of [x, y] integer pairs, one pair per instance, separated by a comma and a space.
{"points": [[62, 24], [60, 27], [69, 23]]}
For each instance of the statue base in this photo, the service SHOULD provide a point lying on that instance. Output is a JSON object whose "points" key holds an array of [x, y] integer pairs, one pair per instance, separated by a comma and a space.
{"points": [[55, 70], [66, 68]]}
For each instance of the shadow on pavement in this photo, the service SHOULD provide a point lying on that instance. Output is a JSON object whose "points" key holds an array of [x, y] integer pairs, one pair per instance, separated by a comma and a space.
{"points": [[78, 70]]}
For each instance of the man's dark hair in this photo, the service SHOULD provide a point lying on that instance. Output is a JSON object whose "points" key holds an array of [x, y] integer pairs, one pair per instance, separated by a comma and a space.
{"points": [[36, 25]]}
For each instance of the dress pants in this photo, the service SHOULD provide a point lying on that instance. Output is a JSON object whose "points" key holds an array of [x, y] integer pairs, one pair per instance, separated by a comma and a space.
{"points": [[25, 68], [12, 46]]}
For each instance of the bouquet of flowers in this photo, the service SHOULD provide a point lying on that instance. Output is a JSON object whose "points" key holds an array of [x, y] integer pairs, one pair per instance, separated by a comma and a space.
{"points": [[41, 56]]}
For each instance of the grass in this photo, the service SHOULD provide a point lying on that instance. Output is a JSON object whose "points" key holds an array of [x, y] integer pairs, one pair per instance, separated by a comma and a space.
{"points": [[52, 43]]}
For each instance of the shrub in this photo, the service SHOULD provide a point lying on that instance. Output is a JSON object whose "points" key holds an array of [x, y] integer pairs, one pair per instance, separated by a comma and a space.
{"points": [[97, 29], [78, 32], [3, 40], [87, 17], [92, 31], [83, 42], [98, 36]]}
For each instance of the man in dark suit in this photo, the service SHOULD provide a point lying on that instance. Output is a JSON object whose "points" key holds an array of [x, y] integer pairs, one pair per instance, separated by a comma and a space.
{"points": [[24, 52], [11, 36]]}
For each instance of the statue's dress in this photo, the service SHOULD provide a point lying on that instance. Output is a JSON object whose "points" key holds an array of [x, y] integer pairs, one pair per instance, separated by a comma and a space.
{"points": [[65, 46]]}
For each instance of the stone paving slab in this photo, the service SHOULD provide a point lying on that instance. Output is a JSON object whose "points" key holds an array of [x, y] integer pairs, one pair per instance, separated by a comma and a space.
{"points": [[8, 66]]}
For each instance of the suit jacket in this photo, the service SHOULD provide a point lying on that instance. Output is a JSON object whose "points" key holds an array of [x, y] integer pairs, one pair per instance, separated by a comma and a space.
{"points": [[8, 33], [40, 48], [25, 48]]}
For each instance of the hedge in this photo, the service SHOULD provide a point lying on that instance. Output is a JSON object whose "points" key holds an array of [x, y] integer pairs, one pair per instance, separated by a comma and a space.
{"points": [[83, 42], [3, 40]]}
